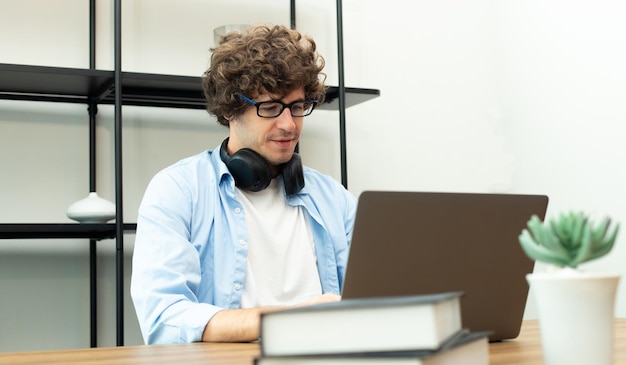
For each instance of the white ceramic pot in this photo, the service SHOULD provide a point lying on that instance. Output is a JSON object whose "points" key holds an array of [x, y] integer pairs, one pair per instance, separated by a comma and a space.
{"points": [[576, 311], [92, 209]]}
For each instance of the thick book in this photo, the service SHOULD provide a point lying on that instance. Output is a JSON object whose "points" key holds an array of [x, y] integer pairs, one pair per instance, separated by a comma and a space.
{"points": [[464, 349], [398, 323]]}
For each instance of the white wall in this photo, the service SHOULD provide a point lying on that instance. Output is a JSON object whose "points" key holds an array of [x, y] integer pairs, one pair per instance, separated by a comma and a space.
{"points": [[482, 96], [563, 105]]}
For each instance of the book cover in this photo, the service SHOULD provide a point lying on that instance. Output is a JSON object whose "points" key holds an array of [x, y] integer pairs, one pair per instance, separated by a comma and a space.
{"points": [[367, 324], [464, 349]]}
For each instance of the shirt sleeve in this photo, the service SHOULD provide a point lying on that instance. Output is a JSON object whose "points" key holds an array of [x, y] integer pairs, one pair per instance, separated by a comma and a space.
{"points": [[166, 270]]}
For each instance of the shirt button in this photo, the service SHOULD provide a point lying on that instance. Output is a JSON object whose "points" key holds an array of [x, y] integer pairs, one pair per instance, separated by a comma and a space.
{"points": [[237, 286], [237, 210], [242, 243]]}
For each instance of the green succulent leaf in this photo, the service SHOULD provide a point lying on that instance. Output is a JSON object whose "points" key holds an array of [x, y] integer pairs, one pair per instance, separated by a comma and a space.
{"points": [[567, 240], [605, 244], [544, 236], [585, 248], [579, 225], [601, 229], [541, 253], [558, 229]]}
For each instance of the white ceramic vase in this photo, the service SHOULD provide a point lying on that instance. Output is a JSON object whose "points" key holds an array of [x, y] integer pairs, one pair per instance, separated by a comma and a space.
{"points": [[92, 209], [576, 311]]}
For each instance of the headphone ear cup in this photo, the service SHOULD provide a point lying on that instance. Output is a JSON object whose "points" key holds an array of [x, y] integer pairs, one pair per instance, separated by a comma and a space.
{"points": [[250, 170], [293, 176]]}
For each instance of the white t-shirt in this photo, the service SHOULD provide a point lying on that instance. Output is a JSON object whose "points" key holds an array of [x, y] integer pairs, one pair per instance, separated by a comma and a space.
{"points": [[281, 266]]}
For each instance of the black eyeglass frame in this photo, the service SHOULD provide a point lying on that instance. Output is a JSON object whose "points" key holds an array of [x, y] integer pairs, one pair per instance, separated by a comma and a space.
{"points": [[244, 98]]}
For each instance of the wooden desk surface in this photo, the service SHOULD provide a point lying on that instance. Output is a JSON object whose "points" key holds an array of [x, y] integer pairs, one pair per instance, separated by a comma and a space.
{"points": [[525, 350]]}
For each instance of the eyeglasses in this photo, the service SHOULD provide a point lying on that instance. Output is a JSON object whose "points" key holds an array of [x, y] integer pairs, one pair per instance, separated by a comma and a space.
{"points": [[274, 108]]}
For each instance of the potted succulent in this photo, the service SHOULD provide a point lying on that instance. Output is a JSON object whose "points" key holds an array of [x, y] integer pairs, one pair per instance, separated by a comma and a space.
{"points": [[575, 307]]}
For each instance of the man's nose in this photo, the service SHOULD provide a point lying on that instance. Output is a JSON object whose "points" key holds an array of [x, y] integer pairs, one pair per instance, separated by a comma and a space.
{"points": [[285, 120]]}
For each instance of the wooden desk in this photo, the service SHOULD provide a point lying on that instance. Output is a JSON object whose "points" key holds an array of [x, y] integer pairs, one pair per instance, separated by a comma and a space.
{"points": [[185, 354], [525, 350]]}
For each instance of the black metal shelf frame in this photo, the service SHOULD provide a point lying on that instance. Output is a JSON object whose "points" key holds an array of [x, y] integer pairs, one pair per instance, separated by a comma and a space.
{"points": [[92, 87], [71, 85], [92, 231]]}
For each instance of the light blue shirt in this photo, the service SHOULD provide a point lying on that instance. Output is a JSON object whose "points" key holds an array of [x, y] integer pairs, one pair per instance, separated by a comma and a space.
{"points": [[189, 259]]}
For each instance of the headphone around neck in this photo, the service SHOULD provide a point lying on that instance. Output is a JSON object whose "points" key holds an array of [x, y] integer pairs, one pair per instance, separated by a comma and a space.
{"points": [[252, 172]]}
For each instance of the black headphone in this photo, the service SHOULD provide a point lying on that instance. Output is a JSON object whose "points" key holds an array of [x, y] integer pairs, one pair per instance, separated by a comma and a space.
{"points": [[252, 172]]}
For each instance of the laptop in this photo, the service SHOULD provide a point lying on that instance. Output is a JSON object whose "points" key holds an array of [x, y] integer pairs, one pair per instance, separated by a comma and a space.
{"points": [[408, 243]]}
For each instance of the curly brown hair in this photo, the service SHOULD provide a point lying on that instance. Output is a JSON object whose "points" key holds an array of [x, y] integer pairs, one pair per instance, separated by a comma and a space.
{"points": [[274, 60]]}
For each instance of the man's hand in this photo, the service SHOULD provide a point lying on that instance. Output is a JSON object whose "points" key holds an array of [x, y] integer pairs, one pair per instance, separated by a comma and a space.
{"points": [[243, 325], [324, 298]]}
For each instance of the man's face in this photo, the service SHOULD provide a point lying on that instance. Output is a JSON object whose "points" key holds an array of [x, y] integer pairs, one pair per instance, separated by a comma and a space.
{"points": [[273, 138]]}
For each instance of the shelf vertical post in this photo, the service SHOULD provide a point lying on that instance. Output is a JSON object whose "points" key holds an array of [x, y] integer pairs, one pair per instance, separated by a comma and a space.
{"points": [[292, 21], [342, 96], [119, 219], [292, 13], [93, 272]]}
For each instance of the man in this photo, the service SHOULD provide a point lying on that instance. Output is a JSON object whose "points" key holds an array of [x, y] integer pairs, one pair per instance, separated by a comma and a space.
{"points": [[232, 232]]}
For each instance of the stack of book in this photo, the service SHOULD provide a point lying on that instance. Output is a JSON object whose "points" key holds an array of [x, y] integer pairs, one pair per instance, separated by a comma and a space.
{"points": [[417, 330]]}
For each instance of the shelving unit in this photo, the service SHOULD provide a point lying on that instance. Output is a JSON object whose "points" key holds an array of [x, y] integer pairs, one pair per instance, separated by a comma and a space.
{"points": [[71, 85], [61, 230], [92, 87]]}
